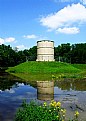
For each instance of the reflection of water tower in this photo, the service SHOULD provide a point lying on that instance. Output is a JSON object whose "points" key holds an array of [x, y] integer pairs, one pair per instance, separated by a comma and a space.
{"points": [[45, 50], [45, 90]]}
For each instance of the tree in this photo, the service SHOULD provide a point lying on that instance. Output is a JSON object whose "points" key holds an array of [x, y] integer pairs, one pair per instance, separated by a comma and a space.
{"points": [[32, 53]]}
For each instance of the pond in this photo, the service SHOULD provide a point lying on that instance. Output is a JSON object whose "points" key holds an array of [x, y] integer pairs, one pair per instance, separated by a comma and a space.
{"points": [[71, 94]]}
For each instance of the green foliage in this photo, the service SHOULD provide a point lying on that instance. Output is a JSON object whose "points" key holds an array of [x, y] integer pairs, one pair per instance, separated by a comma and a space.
{"points": [[44, 112], [75, 53], [7, 56], [10, 57]]}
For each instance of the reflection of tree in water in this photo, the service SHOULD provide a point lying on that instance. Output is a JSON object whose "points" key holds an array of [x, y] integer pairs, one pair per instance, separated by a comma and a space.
{"points": [[7, 81], [68, 84]]}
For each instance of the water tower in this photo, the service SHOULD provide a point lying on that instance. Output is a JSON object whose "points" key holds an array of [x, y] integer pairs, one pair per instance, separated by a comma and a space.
{"points": [[45, 50]]}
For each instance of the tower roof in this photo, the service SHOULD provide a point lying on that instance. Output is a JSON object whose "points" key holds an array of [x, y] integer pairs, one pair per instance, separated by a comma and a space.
{"points": [[45, 41]]}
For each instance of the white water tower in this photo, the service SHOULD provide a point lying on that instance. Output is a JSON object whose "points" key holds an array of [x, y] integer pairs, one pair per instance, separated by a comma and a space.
{"points": [[45, 50]]}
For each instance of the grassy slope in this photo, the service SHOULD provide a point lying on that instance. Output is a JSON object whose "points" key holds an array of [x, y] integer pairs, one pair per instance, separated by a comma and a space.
{"points": [[82, 67], [39, 70]]}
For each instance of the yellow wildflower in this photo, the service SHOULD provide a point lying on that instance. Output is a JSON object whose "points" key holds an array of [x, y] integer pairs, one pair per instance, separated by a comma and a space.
{"points": [[76, 113], [63, 115], [54, 103], [58, 104], [51, 104], [45, 104], [64, 111]]}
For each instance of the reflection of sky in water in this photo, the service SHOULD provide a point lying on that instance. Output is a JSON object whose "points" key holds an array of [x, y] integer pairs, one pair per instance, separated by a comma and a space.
{"points": [[12, 98], [72, 100], [10, 90], [69, 96]]}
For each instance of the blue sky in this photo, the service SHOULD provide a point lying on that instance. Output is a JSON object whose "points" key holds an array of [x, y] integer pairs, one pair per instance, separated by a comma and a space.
{"points": [[24, 22]]}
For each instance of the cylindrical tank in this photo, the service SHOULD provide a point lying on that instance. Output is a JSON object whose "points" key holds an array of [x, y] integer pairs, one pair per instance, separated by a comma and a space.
{"points": [[45, 50]]}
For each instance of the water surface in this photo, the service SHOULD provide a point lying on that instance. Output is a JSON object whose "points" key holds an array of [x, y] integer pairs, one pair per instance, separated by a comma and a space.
{"points": [[71, 93]]}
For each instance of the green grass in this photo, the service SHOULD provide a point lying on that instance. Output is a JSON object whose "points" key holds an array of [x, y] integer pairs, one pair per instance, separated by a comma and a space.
{"points": [[33, 70], [80, 66]]}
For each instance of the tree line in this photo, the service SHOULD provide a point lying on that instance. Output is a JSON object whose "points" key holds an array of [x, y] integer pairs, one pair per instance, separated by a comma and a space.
{"points": [[11, 57], [75, 53]]}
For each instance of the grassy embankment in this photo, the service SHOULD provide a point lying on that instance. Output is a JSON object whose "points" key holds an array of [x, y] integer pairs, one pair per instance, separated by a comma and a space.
{"points": [[47, 70]]}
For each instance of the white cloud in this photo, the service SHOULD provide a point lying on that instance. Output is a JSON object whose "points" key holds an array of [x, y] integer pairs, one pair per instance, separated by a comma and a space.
{"points": [[10, 90], [1, 91], [68, 17], [78, 1], [1, 41], [72, 30], [83, 1], [10, 39], [21, 47], [20, 84], [32, 36]]}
